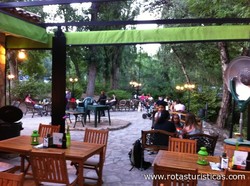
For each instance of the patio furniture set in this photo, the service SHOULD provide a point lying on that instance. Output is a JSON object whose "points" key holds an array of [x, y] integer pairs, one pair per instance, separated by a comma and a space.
{"points": [[48, 165], [180, 158]]}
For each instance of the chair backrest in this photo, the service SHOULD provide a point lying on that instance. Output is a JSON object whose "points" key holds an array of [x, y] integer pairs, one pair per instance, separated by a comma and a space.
{"points": [[241, 178], [49, 167], [72, 105], [155, 139], [204, 140], [88, 101], [45, 129], [16, 103], [11, 179], [97, 137], [174, 176], [182, 145]]}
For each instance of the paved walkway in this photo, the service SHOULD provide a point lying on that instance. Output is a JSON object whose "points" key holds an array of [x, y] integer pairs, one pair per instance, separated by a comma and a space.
{"points": [[117, 165]]}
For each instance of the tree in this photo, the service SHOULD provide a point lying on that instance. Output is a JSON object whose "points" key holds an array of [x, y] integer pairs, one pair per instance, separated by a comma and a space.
{"points": [[195, 55]]}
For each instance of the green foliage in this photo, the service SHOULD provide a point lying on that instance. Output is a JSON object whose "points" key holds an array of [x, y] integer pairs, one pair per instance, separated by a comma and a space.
{"points": [[120, 94], [34, 65], [199, 99], [38, 89]]}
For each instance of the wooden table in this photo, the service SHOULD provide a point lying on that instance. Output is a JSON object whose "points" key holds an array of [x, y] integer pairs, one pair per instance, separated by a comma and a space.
{"points": [[187, 161], [97, 109], [78, 151]]}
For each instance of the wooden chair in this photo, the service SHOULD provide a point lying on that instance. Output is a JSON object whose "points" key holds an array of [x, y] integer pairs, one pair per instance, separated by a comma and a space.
{"points": [[51, 167], [182, 145], [10, 179], [123, 104], [155, 140], [204, 140], [95, 162], [241, 178], [174, 176], [45, 129]]}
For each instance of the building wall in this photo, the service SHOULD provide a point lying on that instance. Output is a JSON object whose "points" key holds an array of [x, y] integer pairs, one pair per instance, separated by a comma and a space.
{"points": [[2, 69]]}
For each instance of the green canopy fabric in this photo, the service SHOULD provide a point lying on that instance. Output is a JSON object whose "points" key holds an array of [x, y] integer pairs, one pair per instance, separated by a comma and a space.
{"points": [[161, 35], [19, 28]]}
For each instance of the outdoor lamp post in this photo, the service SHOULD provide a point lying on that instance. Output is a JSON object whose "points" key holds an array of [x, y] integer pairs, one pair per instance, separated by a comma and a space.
{"points": [[136, 86], [10, 77], [189, 87], [73, 81]]}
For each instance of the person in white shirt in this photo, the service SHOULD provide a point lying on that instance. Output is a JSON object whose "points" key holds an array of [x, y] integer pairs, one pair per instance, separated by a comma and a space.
{"points": [[179, 107]]}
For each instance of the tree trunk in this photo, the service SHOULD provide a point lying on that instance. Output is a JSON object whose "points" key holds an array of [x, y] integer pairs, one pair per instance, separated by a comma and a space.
{"points": [[115, 68], [225, 103], [91, 80], [92, 65], [182, 65]]}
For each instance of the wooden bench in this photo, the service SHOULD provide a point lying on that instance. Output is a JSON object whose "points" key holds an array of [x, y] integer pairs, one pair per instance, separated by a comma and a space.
{"points": [[150, 142]]}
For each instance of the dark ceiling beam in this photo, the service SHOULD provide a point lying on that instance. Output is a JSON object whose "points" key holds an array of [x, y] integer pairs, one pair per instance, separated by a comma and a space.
{"points": [[159, 22], [48, 2]]}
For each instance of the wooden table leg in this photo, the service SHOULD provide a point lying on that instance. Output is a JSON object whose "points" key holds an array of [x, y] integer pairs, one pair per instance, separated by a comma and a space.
{"points": [[80, 174]]}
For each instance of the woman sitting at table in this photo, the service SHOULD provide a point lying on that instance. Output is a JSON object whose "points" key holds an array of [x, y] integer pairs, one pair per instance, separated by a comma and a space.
{"points": [[177, 122], [191, 126], [28, 99]]}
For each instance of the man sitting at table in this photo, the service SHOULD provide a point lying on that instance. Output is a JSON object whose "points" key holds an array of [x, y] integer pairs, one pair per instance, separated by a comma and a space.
{"points": [[163, 123], [102, 101]]}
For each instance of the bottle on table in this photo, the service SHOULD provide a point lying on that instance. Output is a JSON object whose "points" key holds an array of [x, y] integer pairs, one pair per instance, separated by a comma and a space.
{"points": [[68, 137], [224, 161], [46, 141], [64, 141]]}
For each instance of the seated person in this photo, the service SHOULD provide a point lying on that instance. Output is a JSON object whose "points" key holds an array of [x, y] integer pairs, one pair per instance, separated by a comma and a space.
{"points": [[163, 123], [160, 101], [191, 126], [113, 101], [179, 107], [177, 122], [28, 99]]}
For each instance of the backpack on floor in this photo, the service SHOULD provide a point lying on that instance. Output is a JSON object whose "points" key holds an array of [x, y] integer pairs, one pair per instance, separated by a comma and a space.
{"points": [[136, 156]]}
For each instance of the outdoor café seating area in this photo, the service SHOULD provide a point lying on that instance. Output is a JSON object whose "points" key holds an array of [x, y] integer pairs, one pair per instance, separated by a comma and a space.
{"points": [[50, 164], [181, 155]]}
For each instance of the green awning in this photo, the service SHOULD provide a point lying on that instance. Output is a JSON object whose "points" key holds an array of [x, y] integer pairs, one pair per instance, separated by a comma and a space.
{"points": [[19, 28], [23, 43], [161, 35]]}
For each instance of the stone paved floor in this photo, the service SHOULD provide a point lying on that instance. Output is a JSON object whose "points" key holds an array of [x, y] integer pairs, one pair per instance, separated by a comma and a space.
{"points": [[117, 165]]}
